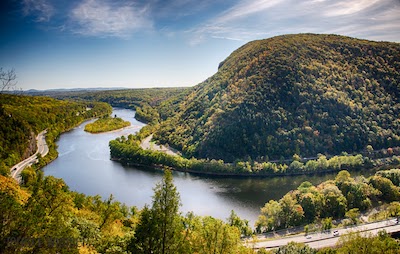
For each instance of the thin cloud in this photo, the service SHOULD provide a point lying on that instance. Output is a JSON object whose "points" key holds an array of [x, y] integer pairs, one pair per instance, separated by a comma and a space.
{"points": [[247, 8], [106, 18], [341, 8], [227, 38], [255, 19], [41, 9], [179, 8]]}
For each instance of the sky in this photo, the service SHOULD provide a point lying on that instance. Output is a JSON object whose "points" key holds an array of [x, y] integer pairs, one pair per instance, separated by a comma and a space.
{"points": [[162, 43]]}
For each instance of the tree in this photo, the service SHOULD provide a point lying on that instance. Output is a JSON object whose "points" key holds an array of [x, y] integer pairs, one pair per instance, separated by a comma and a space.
{"points": [[7, 79], [292, 213], [47, 216], [160, 228], [210, 235], [144, 240], [269, 219], [326, 224], [369, 149], [389, 191], [353, 215], [334, 203], [310, 204], [166, 203], [242, 225], [296, 157], [358, 243], [343, 176], [295, 248], [394, 210]]}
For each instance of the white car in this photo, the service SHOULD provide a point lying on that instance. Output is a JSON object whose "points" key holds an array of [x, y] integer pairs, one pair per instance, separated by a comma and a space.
{"points": [[335, 233]]}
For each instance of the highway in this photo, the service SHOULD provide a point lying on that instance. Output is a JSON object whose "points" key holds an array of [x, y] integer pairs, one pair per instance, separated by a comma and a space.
{"points": [[42, 149], [321, 240]]}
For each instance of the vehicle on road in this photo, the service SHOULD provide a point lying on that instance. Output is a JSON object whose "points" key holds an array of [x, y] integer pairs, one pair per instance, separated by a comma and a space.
{"points": [[335, 233], [308, 236]]}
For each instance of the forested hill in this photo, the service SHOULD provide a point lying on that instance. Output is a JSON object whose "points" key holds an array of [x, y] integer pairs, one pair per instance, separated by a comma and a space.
{"points": [[23, 117], [143, 100], [295, 94]]}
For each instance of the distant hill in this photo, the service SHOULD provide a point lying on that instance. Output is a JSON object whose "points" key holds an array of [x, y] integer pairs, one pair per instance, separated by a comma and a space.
{"points": [[143, 100], [64, 90], [295, 94]]}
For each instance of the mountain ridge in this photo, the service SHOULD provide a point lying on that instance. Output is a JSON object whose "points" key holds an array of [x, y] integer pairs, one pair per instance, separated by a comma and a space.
{"points": [[292, 94]]}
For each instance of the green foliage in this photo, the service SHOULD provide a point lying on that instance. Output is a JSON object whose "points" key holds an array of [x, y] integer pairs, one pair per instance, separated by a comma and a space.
{"points": [[243, 225], [44, 215], [332, 199], [387, 190], [144, 101], [295, 248], [353, 215], [392, 174], [358, 243], [163, 230], [210, 235], [269, 219], [48, 218], [44, 209], [129, 151], [326, 224], [23, 117], [106, 124], [166, 203], [295, 94], [394, 209]]}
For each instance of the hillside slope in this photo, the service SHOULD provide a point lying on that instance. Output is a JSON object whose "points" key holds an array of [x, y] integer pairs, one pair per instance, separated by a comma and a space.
{"points": [[303, 94], [143, 100], [23, 117]]}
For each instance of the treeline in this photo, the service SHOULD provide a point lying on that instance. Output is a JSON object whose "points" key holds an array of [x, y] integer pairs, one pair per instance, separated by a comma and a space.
{"points": [[106, 124], [144, 101], [129, 151], [343, 197], [23, 117], [44, 216], [354, 243], [295, 94]]}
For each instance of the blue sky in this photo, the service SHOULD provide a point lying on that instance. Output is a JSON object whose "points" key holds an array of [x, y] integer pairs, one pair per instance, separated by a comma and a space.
{"points": [[159, 43]]}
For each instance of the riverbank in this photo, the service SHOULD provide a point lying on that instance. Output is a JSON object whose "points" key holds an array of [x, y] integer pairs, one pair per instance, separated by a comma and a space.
{"points": [[42, 149], [139, 150], [129, 151], [245, 175], [103, 125], [146, 143]]}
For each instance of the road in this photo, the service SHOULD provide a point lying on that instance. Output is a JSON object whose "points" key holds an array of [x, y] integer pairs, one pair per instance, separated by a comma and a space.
{"points": [[147, 144], [42, 149], [321, 240]]}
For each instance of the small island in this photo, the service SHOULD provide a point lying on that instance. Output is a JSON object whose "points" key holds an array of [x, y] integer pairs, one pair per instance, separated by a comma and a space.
{"points": [[106, 124]]}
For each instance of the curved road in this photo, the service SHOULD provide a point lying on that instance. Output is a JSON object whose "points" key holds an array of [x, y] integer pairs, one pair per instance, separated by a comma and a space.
{"points": [[321, 240], [147, 144], [43, 149]]}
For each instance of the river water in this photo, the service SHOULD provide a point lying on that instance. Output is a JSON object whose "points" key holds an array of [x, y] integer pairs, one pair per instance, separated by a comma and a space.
{"points": [[84, 164]]}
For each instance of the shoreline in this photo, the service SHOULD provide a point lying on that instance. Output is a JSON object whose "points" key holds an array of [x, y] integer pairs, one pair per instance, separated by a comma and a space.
{"points": [[239, 175], [112, 131]]}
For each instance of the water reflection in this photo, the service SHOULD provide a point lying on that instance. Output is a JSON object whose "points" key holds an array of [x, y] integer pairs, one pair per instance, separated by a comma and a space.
{"points": [[85, 166]]}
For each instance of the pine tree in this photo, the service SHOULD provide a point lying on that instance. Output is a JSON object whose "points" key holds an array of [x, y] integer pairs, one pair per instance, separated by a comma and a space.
{"points": [[160, 229]]}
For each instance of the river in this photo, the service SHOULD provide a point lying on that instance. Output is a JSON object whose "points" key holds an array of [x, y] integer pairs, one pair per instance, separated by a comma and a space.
{"points": [[84, 164]]}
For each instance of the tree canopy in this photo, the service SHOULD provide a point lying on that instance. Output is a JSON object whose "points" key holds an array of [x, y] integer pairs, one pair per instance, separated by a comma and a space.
{"points": [[294, 94]]}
